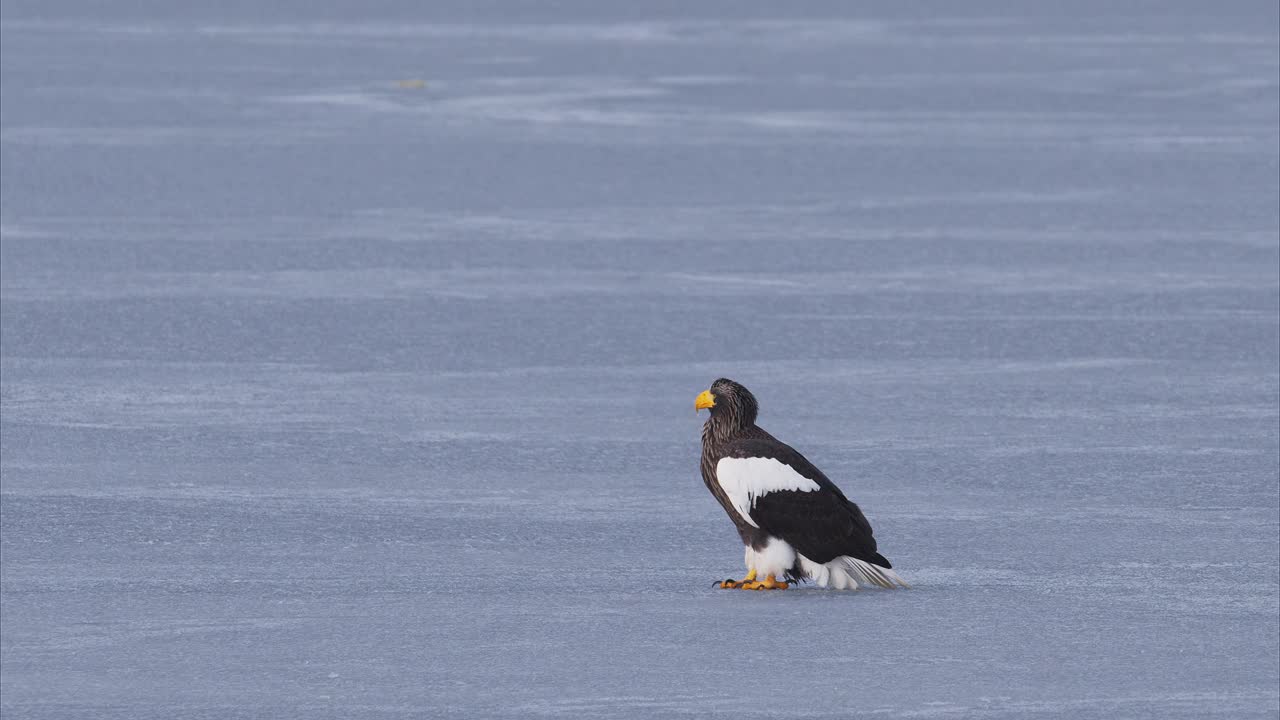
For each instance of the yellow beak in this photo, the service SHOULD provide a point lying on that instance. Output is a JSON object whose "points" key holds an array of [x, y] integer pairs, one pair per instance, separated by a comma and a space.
{"points": [[704, 401]]}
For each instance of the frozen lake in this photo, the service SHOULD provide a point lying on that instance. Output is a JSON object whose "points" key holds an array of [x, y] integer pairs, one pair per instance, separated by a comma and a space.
{"points": [[349, 356]]}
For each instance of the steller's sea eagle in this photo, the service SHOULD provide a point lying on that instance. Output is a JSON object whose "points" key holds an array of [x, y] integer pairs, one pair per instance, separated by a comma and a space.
{"points": [[794, 522]]}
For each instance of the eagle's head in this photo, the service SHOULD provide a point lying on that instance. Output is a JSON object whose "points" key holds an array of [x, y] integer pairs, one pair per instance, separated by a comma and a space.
{"points": [[729, 402]]}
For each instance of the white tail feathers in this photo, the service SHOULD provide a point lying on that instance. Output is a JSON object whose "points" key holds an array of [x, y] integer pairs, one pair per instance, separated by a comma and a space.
{"points": [[871, 574], [846, 572]]}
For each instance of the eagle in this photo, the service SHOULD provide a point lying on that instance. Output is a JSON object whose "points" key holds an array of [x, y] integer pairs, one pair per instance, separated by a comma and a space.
{"points": [[795, 523]]}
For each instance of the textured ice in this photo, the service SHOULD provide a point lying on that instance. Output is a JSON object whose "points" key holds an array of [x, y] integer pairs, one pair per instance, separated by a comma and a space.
{"points": [[328, 395]]}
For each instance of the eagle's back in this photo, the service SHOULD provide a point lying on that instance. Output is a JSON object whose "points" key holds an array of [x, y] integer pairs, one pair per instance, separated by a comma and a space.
{"points": [[821, 523]]}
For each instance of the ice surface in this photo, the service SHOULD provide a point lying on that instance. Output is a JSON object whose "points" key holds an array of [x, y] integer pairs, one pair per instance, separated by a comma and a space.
{"points": [[327, 395]]}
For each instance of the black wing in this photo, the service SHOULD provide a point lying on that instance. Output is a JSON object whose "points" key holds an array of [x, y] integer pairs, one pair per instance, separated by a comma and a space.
{"points": [[821, 525]]}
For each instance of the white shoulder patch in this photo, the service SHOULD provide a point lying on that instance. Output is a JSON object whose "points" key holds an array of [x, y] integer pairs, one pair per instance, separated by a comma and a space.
{"points": [[745, 479]]}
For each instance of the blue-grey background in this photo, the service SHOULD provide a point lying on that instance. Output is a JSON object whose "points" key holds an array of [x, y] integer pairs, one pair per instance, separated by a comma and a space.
{"points": [[326, 394]]}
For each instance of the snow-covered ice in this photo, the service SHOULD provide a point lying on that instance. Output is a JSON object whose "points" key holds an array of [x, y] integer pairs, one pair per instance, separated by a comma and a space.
{"points": [[349, 353]]}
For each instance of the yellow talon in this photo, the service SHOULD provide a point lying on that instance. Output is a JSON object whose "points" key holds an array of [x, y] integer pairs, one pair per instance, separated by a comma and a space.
{"points": [[732, 584], [769, 583]]}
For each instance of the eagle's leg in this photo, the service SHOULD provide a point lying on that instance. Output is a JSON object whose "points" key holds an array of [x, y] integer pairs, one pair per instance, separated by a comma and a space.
{"points": [[769, 583], [731, 584]]}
